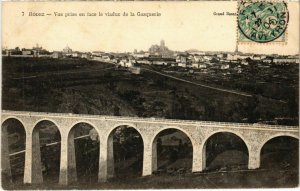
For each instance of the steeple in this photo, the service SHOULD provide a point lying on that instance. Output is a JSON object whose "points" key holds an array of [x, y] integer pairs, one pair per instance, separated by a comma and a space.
{"points": [[236, 49]]}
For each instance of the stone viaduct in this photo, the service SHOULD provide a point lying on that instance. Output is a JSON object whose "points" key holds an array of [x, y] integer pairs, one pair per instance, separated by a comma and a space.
{"points": [[253, 135]]}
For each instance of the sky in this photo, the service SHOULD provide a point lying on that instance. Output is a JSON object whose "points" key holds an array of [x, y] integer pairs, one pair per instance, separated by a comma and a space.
{"points": [[183, 26]]}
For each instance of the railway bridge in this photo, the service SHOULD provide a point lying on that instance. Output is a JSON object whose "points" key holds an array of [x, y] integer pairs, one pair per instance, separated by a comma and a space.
{"points": [[253, 135]]}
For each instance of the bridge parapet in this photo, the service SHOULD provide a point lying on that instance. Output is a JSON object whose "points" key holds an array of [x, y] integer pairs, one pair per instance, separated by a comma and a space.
{"points": [[6, 113]]}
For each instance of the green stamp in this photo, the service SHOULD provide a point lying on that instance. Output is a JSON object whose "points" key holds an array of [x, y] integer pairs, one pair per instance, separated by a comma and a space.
{"points": [[262, 21]]}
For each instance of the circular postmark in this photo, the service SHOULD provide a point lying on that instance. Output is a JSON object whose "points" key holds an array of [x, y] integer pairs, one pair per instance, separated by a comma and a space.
{"points": [[263, 21]]}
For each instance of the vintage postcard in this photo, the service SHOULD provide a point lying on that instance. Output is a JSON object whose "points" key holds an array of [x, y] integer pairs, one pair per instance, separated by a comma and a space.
{"points": [[149, 94]]}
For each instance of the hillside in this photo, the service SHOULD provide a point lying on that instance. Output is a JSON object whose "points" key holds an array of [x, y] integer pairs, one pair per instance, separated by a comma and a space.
{"points": [[89, 87]]}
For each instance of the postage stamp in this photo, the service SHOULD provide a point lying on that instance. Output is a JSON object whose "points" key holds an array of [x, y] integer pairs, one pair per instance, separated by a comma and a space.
{"points": [[262, 22]]}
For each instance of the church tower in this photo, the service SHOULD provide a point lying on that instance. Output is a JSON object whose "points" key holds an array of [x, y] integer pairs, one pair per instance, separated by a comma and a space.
{"points": [[162, 43]]}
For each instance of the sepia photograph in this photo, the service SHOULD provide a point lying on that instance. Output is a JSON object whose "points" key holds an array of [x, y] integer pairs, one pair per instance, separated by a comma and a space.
{"points": [[149, 95]]}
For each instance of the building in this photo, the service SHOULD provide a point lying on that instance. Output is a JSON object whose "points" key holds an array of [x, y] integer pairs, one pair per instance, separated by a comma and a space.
{"points": [[208, 58], [144, 61], [6, 52], [162, 43], [232, 57], [26, 52], [221, 56], [126, 63], [267, 61], [86, 55], [115, 61], [198, 58], [258, 57], [182, 65], [106, 58], [181, 59], [225, 66], [286, 60], [138, 55], [67, 50], [174, 139], [199, 65], [57, 54], [97, 53], [76, 54], [97, 58], [161, 49], [242, 57], [244, 62]]}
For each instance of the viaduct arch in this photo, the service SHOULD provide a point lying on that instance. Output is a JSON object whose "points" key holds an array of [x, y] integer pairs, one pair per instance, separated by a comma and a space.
{"points": [[204, 143], [5, 151], [110, 147], [154, 143]]}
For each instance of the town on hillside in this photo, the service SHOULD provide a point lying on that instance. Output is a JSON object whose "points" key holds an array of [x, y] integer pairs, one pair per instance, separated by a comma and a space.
{"points": [[160, 55]]}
